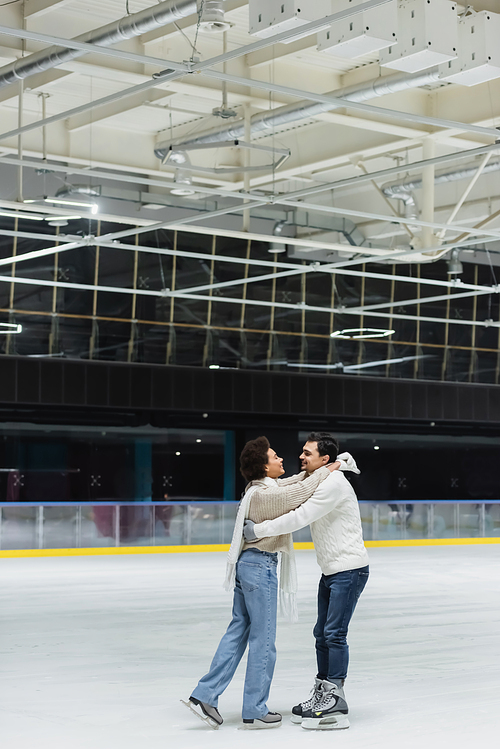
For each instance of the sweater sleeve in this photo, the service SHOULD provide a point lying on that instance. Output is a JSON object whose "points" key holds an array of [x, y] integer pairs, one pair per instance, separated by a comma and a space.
{"points": [[324, 500], [292, 479], [271, 502]]}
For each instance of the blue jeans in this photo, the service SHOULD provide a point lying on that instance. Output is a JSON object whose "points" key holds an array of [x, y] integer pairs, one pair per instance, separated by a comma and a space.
{"points": [[337, 598], [253, 622]]}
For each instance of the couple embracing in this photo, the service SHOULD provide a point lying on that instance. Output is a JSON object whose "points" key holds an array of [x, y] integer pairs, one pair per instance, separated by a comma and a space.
{"points": [[271, 509]]}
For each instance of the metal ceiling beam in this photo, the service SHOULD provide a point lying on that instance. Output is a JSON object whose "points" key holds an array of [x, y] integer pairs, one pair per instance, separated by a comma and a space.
{"points": [[385, 217], [89, 48], [360, 309], [121, 177], [383, 174], [132, 91], [465, 193], [368, 308], [230, 300], [313, 308], [187, 66], [42, 253], [357, 106], [168, 65], [118, 107]]}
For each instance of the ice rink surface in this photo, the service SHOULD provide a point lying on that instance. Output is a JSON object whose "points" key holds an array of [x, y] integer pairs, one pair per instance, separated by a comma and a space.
{"points": [[97, 651]]}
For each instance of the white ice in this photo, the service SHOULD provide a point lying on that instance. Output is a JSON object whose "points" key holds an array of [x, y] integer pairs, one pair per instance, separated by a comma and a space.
{"points": [[97, 652]]}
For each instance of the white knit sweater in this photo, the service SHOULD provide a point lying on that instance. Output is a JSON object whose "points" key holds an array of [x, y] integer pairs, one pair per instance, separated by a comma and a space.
{"points": [[333, 514]]}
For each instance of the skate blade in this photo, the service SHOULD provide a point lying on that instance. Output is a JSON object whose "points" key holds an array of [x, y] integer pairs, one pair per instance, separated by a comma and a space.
{"points": [[259, 726], [328, 723], [205, 718], [296, 718]]}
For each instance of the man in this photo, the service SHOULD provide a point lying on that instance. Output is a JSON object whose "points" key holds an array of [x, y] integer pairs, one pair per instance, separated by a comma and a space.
{"points": [[252, 574], [333, 514]]}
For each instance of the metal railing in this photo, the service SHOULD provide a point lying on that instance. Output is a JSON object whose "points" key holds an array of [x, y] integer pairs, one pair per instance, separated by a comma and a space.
{"points": [[55, 525]]}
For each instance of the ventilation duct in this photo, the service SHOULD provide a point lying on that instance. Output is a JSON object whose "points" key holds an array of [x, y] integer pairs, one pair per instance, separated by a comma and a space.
{"points": [[399, 190], [304, 110], [105, 36], [275, 248], [69, 190]]}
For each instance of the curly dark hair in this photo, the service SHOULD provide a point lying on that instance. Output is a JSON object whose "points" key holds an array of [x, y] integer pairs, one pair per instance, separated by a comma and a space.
{"points": [[253, 459], [327, 444]]}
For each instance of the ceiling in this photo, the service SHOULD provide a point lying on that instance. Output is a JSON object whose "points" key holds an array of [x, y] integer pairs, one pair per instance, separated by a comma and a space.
{"points": [[273, 142]]}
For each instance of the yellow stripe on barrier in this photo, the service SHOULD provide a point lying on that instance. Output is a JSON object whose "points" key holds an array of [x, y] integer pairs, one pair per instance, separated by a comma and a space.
{"points": [[111, 551], [433, 542], [122, 550]]}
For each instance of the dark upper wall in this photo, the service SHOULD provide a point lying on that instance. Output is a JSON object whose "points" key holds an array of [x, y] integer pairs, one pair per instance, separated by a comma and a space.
{"points": [[56, 385]]}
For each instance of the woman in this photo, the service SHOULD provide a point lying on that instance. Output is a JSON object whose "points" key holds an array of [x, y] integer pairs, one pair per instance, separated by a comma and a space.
{"points": [[252, 572]]}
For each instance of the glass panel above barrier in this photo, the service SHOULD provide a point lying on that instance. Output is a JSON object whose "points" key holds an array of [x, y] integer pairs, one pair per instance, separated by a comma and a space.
{"points": [[60, 526], [492, 519], [98, 526], [19, 528]]}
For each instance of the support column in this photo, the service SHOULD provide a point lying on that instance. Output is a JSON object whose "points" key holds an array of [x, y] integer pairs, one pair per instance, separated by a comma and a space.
{"points": [[428, 175]]}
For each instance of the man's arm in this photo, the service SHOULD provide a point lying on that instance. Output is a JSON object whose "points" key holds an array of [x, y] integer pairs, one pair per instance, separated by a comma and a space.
{"points": [[326, 497], [270, 502]]}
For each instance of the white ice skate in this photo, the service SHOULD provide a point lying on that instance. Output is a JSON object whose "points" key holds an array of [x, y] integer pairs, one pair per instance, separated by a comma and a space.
{"points": [[205, 712], [330, 709]]}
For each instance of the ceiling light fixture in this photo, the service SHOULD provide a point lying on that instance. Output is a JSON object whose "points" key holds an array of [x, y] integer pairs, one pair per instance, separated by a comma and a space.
{"points": [[183, 185], [11, 328], [79, 203], [357, 334], [455, 267], [212, 18], [276, 249], [60, 218], [16, 214]]}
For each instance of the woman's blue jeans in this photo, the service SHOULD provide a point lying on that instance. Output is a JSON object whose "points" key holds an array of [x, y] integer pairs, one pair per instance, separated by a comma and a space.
{"points": [[253, 622], [337, 598]]}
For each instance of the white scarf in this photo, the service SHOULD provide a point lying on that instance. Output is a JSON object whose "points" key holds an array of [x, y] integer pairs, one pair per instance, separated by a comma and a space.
{"points": [[287, 568]]}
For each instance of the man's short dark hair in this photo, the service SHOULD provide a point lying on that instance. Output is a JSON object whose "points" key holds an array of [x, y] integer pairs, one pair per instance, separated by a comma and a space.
{"points": [[253, 459], [327, 444]]}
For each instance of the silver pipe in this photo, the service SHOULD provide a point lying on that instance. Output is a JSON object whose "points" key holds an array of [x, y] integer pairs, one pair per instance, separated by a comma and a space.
{"points": [[113, 33], [305, 109], [69, 190], [402, 188]]}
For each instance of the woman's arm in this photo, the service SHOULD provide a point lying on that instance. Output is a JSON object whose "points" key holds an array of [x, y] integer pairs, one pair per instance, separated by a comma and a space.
{"points": [[292, 479]]}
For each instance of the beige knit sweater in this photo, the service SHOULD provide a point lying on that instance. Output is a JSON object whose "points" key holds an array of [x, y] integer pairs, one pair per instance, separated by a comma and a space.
{"points": [[276, 497]]}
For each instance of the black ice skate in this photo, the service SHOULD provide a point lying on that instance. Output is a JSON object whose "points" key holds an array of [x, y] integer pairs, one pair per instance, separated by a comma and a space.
{"points": [[271, 720], [308, 705], [330, 709], [205, 712]]}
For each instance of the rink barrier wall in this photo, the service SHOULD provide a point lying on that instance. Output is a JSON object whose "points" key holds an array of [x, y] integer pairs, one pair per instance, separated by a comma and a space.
{"points": [[298, 546], [101, 528]]}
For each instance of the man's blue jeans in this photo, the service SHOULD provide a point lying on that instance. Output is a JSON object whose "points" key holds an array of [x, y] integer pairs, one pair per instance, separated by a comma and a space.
{"points": [[337, 598], [253, 622]]}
